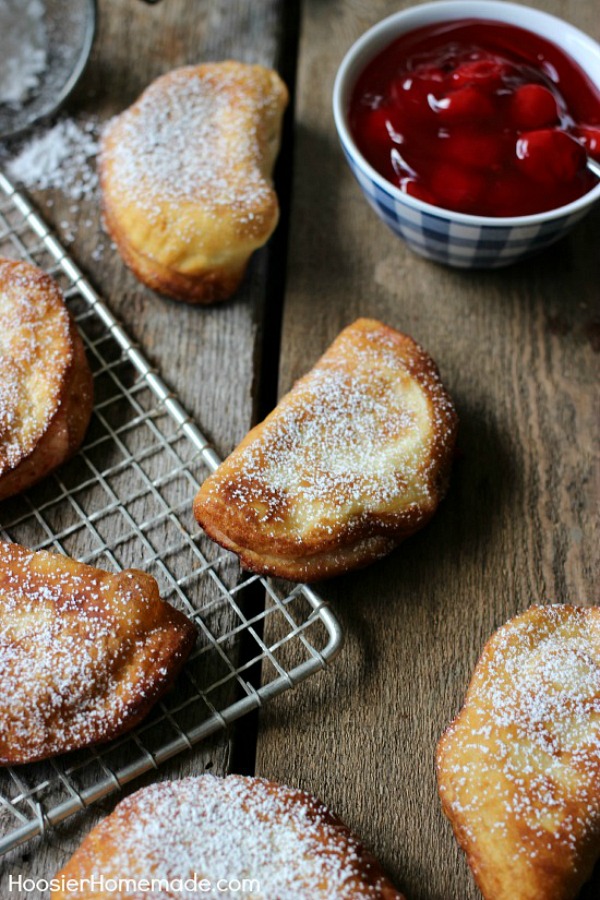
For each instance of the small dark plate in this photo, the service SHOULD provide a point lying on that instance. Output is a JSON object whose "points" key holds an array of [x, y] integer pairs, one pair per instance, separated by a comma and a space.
{"points": [[70, 25]]}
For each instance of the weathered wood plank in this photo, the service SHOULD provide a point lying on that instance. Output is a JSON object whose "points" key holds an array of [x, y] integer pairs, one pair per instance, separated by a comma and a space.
{"points": [[207, 355], [516, 349]]}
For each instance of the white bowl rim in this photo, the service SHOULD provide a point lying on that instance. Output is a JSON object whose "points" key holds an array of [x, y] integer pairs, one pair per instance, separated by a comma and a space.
{"points": [[483, 9]]}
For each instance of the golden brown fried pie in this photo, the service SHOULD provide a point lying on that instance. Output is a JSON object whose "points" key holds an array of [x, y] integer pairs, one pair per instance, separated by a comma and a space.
{"points": [[45, 382], [84, 654], [519, 768], [283, 843], [186, 177], [352, 461]]}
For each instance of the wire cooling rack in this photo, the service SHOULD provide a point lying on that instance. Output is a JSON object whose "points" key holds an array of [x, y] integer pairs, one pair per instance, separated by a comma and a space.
{"points": [[141, 464]]}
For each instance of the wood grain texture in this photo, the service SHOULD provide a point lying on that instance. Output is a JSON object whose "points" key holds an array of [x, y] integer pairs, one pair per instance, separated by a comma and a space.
{"points": [[518, 351], [208, 356]]}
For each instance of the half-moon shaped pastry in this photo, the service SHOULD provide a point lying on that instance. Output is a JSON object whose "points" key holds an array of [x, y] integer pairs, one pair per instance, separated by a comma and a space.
{"points": [[229, 835], [352, 461], [186, 177], [84, 654], [519, 768], [45, 382]]}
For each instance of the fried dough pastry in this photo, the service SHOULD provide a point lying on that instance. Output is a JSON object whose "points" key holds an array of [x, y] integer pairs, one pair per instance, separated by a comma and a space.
{"points": [[84, 654], [186, 177], [282, 842], [352, 461], [45, 382], [519, 768]]}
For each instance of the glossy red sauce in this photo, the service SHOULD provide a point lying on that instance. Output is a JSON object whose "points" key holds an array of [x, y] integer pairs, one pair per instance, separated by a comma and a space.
{"points": [[480, 117]]}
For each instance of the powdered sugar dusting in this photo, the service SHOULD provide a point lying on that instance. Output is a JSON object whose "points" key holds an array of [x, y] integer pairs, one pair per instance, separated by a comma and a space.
{"points": [[35, 353], [241, 828], [355, 436], [74, 652], [195, 138], [530, 732], [322, 457]]}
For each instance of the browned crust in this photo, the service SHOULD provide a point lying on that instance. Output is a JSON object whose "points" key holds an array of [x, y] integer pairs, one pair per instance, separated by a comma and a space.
{"points": [[498, 876], [357, 555], [215, 282], [96, 852], [360, 542], [211, 286], [69, 403], [154, 641], [66, 430]]}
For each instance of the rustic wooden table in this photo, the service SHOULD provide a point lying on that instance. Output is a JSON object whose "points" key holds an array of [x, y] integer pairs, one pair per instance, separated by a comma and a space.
{"points": [[517, 350]]}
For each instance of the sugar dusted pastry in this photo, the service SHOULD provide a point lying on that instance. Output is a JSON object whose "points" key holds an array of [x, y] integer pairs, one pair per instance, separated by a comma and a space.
{"points": [[352, 461], [45, 382], [84, 654], [283, 843], [519, 768], [186, 177]]}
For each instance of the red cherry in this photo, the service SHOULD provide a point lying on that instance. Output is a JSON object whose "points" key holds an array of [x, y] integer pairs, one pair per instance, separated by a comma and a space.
{"points": [[550, 156], [398, 89], [457, 188], [472, 123], [409, 96], [430, 73], [476, 148], [429, 80], [533, 106], [508, 195], [467, 104], [376, 128], [589, 135], [485, 73]]}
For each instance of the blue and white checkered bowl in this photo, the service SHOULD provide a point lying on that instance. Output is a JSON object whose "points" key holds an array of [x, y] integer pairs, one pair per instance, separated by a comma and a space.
{"points": [[453, 238]]}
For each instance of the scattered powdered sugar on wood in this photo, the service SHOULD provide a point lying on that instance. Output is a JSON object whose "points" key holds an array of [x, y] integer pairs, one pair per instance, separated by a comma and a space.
{"points": [[61, 157], [61, 161], [239, 828], [23, 49], [196, 139], [531, 734]]}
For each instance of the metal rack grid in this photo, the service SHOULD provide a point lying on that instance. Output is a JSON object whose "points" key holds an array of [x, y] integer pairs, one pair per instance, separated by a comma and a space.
{"points": [[141, 464]]}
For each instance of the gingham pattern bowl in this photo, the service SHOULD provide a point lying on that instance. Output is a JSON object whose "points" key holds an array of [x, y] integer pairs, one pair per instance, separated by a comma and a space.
{"points": [[453, 238]]}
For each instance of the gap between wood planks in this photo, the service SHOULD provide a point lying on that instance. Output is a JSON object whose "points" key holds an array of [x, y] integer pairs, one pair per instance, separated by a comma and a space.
{"points": [[244, 732]]}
